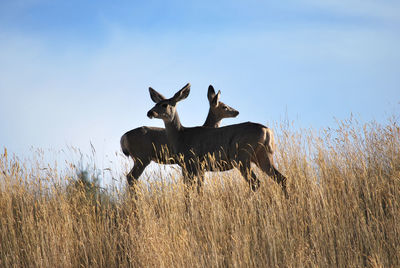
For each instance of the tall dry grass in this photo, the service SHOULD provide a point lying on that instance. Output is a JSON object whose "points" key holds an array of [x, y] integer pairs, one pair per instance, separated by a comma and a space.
{"points": [[343, 211]]}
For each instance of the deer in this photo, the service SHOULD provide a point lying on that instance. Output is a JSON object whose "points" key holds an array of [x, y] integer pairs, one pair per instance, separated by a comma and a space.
{"points": [[200, 149], [145, 144]]}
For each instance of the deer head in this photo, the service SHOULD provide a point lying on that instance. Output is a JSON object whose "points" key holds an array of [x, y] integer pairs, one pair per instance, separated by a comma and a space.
{"points": [[165, 109], [218, 109]]}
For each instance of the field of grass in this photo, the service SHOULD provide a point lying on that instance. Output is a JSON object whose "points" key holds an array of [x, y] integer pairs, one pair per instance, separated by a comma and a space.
{"points": [[343, 211]]}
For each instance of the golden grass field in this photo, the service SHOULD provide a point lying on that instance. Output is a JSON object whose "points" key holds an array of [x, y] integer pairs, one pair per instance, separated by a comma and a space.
{"points": [[343, 211]]}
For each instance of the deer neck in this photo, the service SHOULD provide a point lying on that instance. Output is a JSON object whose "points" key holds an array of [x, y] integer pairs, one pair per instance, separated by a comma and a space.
{"points": [[173, 129], [211, 120]]}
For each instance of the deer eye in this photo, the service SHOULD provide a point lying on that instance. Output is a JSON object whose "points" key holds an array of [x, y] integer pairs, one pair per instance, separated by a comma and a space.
{"points": [[164, 105]]}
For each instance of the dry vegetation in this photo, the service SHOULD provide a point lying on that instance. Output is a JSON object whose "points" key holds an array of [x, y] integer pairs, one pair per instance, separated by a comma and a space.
{"points": [[343, 211]]}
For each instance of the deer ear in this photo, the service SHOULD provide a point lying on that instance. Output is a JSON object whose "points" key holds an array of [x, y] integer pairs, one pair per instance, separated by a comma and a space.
{"points": [[215, 100], [182, 94], [155, 96], [210, 93]]}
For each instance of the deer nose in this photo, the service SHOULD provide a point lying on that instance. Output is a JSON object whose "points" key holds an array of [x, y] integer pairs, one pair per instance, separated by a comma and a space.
{"points": [[151, 114]]}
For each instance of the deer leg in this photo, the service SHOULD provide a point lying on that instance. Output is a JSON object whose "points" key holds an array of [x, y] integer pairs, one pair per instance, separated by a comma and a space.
{"points": [[130, 178], [187, 176], [249, 175], [200, 182], [188, 184], [136, 171], [266, 163]]}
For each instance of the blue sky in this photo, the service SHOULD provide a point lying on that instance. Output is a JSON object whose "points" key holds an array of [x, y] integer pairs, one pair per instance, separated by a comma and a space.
{"points": [[72, 72]]}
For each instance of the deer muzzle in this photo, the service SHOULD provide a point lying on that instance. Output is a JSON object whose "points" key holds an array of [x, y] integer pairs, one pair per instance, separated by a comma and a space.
{"points": [[151, 114]]}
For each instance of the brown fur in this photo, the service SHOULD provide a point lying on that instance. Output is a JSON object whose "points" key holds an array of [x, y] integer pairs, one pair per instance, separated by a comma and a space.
{"points": [[227, 147], [146, 144]]}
